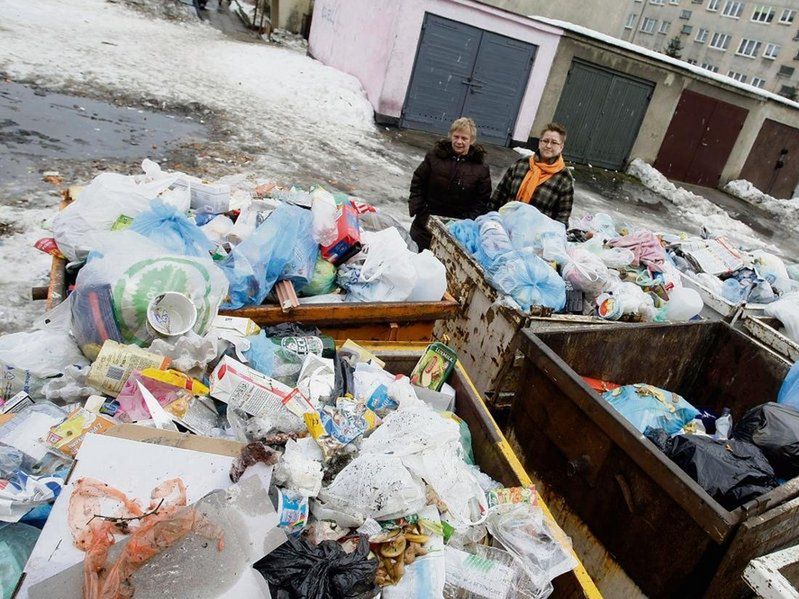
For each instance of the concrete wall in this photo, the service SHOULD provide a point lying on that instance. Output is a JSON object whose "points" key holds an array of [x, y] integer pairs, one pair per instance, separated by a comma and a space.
{"points": [[601, 15], [376, 41], [669, 85], [290, 13]]}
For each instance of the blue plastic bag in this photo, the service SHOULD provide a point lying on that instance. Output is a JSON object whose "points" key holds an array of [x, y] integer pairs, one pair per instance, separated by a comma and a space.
{"points": [[254, 266], [170, 229], [467, 233], [528, 280], [494, 240], [789, 392], [526, 226], [647, 406], [300, 268]]}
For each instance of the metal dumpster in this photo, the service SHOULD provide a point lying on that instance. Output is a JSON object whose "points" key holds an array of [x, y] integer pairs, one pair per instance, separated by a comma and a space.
{"points": [[374, 321], [767, 331], [491, 450], [485, 331], [666, 532]]}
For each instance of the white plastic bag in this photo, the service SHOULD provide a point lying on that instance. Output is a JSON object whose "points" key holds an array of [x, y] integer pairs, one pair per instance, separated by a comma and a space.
{"points": [[413, 430], [431, 278], [218, 228], [323, 209], [300, 467], [769, 264], [786, 310], [387, 274], [41, 353], [99, 205], [585, 271], [374, 486]]}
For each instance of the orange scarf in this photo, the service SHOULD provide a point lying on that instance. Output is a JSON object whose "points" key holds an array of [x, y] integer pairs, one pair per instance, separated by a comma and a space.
{"points": [[539, 173]]}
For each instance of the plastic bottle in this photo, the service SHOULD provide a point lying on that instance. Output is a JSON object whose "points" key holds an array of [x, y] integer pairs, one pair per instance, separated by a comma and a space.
{"points": [[723, 425]]}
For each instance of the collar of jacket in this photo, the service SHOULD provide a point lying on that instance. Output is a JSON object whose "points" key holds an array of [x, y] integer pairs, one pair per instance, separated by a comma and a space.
{"points": [[443, 149]]}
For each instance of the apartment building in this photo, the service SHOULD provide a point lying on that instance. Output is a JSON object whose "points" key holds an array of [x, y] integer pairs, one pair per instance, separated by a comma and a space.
{"points": [[751, 42]]}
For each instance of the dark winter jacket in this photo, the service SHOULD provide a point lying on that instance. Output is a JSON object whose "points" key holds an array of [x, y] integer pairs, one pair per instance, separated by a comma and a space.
{"points": [[553, 198], [447, 184]]}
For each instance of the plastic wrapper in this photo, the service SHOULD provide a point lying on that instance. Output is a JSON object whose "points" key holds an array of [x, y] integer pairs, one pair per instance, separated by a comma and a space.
{"points": [[301, 266], [494, 239], [347, 242], [774, 428], [786, 310], [523, 531], [374, 486], [333, 427], [27, 429], [26, 483], [320, 572], [317, 379], [300, 467], [132, 405], [116, 362], [172, 230], [484, 572], [93, 318], [732, 471], [323, 210], [529, 280], [585, 271], [413, 430], [190, 352], [646, 406], [282, 357]]}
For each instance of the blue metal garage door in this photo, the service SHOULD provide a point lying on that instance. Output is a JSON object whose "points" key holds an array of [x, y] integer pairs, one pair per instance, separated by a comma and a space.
{"points": [[464, 71], [602, 111]]}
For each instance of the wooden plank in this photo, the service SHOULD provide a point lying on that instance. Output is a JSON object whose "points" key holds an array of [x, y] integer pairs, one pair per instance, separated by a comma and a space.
{"points": [[776, 529]]}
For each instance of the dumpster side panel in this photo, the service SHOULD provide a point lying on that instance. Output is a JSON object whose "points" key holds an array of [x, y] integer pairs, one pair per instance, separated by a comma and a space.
{"points": [[776, 529], [763, 330]]}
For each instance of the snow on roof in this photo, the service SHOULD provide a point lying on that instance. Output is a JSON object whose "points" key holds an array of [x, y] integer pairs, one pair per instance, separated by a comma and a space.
{"points": [[676, 62]]}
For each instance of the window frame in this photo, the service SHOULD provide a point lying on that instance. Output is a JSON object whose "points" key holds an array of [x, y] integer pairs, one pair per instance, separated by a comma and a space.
{"points": [[758, 82], [704, 38], [657, 2], [686, 29], [644, 22], [763, 9], [774, 46], [736, 4], [661, 30], [726, 37], [789, 11], [739, 77], [630, 23], [713, 5], [755, 51]]}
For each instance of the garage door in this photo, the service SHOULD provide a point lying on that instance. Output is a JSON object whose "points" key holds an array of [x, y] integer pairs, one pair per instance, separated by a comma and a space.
{"points": [[699, 139], [461, 70], [773, 163], [602, 111]]}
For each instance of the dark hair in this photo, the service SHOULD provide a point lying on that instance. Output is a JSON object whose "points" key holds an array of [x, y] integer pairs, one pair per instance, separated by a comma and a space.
{"points": [[557, 128]]}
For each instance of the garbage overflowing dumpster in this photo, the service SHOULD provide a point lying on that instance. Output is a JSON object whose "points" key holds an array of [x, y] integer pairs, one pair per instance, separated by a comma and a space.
{"points": [[657, 436]]}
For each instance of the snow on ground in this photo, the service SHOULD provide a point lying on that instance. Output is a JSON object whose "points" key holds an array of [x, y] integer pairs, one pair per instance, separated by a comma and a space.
{"points": [[716, 220], [786, 210]]}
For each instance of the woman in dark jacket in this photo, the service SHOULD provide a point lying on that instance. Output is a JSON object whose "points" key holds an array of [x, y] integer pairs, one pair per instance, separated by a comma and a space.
{"points": [[452, 180]]}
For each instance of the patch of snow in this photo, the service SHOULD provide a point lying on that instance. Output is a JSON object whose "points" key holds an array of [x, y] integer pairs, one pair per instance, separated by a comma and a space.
{"points": [[681, 64], [786, 210], [288, 40], [523, 151], [696, 207]]}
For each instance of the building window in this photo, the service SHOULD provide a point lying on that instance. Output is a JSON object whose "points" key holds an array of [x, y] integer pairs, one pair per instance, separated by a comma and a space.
{"points": [[664, 27], [788, 16], [789, 91], [710, 67], [720, 41], [686, 29], [701, 35], [785, 71], [758, 82], [737, 76], [630, 20], [749, 48], [733, 9], [691, 61], [697, 1], [658, 2], [685, 14], [713, 5], [772, 51], [675, 2], [648, 25], [763, 14]]}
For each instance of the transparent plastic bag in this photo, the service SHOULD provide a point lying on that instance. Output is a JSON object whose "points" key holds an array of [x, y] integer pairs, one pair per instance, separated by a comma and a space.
{"points": [[485, 572], [494, 239], [527, 226], [323, 208], [172, 230], [585, 271], [301, 266], [529, 280], [387, 274], [522, 530]]}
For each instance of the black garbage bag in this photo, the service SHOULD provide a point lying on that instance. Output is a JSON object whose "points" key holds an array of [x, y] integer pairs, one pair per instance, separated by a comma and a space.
{"points": [[732, 471], [774, 428], [325, 571], [291, 329]]}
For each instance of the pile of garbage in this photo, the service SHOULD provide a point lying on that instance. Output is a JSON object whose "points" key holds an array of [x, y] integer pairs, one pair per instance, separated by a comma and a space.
{"points": [[371, 473], [595, 268], [735, 462], [756, 278], [229, 243]]}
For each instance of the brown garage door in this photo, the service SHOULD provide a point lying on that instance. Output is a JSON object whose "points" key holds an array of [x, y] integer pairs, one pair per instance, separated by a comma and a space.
{"points": [[699, 140], [773, 163]]}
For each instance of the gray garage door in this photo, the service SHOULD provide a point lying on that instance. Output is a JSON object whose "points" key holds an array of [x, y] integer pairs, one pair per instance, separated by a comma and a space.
{"points": [[602, 111], [464, 71]]}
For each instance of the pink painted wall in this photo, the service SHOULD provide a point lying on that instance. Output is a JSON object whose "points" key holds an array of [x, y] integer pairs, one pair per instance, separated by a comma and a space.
{"points": [[376, 41]]}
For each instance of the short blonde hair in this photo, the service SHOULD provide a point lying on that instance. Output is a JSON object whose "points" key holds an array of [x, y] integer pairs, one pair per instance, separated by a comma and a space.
{"points": [[464, 123]]}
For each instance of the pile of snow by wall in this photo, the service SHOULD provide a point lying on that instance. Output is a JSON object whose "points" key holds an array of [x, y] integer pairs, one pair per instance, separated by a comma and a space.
{"points": [[786, 210]]}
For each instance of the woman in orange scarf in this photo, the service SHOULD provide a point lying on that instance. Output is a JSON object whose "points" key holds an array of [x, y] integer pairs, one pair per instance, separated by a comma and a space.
{"points": [[542, 179]]}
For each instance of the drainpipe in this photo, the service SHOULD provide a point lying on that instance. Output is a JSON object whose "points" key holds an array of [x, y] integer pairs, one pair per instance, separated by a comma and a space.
{"points": [[640, 20]]}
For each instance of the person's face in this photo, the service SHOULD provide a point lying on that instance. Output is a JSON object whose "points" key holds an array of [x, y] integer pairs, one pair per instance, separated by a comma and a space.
{"points": [[461, 141], [550, 145]]}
